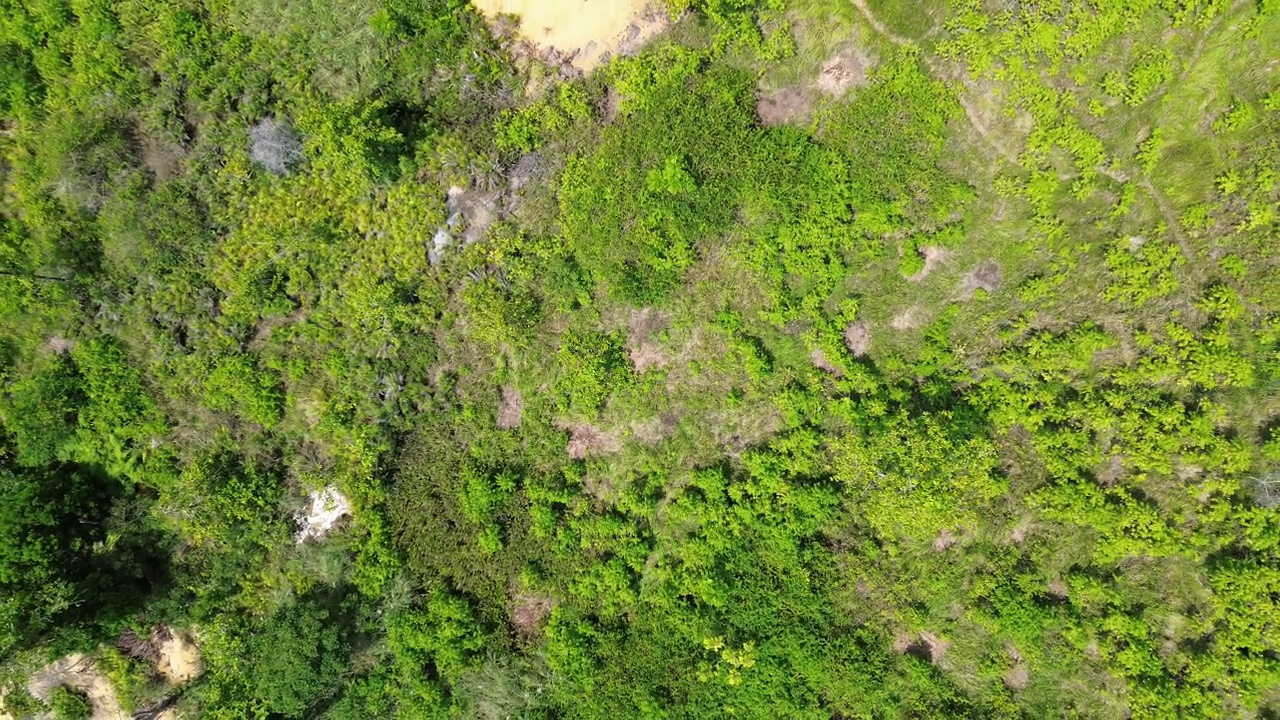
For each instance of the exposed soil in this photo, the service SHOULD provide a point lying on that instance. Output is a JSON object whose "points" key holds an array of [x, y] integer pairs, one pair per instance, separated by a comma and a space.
{"points": [[526, 169], [841, 72], [1019, 534], [925, 646], [820, 361], [945, 540], [511, 409], [986, 277], [582, 33], [262, 333], [656, 429], [59, 345], [79, 673], [162, 158], [906, 320], [1112, 472], [780, 107], [740, 428], [612, 104], [324, 509], [1057, 588], [642, 346], [933, 257], [529, 613], [857, 337], [177, 657], [1017, 677], [586, 440], [478, 209]]}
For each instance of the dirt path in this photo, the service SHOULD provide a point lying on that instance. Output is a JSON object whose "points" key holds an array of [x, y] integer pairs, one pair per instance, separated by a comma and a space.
{"points": [[78, 672], [971, 112], [1170, 217], [879, 26]]}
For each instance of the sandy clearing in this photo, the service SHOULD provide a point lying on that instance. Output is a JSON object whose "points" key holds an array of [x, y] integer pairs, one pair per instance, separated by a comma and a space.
{"points": [[78, 672], [820, 361], [586, 32], [178, 657], [643, 346]]}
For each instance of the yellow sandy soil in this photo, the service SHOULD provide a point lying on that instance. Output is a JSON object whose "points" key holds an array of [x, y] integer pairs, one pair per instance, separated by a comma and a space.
{"points": [[179, 658], [79, 672], [590, 27]]}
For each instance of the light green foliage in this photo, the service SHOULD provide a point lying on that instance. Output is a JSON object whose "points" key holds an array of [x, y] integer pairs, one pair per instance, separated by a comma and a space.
{"points": [[295, 658], [739, 22], [219, 500], [684, 432], [916, 476], [235, 384], [637, 208], [67, 704], [1151, 71], [530, 127], [1143, 269], [593, 364]]}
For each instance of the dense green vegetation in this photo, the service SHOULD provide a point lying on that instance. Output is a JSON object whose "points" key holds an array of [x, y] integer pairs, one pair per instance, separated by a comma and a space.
{"points": [[957, 394]]}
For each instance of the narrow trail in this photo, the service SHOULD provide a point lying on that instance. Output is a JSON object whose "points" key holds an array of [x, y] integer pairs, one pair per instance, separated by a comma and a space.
{"points": [[970, 111], [1170, 217], [879, 26]]}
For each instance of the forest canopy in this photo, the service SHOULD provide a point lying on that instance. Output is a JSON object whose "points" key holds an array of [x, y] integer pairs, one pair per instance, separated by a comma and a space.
{"points": [[790, 359]]}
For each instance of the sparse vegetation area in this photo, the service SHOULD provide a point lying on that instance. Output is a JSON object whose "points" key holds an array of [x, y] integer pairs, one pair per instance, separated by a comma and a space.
{"points": [[816, 360]]}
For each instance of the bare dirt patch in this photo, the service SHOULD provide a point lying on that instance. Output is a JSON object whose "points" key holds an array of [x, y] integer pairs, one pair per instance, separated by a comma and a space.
{"points": [[820, 361], [583, 33], [510, 409], [78, 672], [177, 657], [933, 257], [985, 277], [655, 429], [780, 107], [924, 645], [906, 320], [262, 332], [162, 158], [841, 72], [945, 539], [857, 337], [1019, 534], [1057, 588], [529, 613], [586, 440], [59, 345], [324, 509], [1111, 472], [642, 345], [1017, 677]]}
